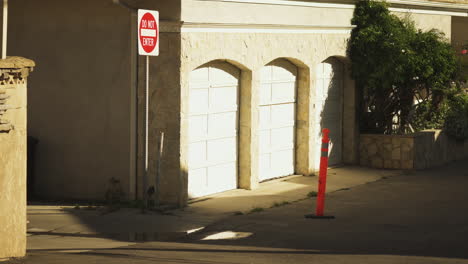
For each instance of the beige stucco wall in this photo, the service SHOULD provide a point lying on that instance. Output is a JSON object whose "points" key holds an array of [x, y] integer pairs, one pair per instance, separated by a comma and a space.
{"points": [[459, 32], [14, 72], [83, 108], [83, 99], [214, 11], [164, 116], [430, 21], [257, 13], [250, 52], [451, 1], [80, 98]]}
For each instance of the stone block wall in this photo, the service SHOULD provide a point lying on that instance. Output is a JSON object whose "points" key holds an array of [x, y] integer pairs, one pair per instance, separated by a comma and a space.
{"points": [[435, 148], [13, 74], [386, 151], [425, 149]]}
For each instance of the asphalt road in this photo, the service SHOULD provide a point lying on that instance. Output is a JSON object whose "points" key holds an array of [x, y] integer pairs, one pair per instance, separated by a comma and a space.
{"points": [[418, 217]]}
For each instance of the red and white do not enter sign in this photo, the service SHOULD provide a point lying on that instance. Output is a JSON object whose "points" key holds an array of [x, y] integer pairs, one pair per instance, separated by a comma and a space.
{"points": [[148, 32]]}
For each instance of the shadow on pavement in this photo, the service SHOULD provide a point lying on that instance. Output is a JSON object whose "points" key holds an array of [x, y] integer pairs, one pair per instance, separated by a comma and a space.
{"points": [[420, 213]]}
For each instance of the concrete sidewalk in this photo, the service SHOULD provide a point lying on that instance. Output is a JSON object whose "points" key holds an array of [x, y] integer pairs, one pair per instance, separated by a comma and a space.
{"points": [[65, 229]]}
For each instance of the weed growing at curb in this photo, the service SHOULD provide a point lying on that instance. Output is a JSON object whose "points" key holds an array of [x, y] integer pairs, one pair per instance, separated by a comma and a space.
{"points": [[278, 204], [312, 194], [91, 208], [256, 210], [238, 213]]}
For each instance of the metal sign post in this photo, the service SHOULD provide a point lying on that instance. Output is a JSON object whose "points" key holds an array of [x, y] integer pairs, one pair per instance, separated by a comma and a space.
{"points": [[5, 28], [145, 177], [148, 45]]}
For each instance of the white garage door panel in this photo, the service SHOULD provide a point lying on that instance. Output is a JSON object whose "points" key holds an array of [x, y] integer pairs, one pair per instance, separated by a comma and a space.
{"points": [[198, 127], [264, 117], [222, 150], [197, 183], [198, 75], [283, 70], [198, 101], [264, 141], [277, 114], [280, 157], [229, 129], [282, 138], [283, 115], [223, 73], [222, 177], [265, 94], [223, 99], [265, 164], [283, 92], [197, 154], [213, 119]]}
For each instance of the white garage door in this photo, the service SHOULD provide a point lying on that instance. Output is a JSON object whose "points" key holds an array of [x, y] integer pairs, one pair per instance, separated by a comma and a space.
{"points": [[213, 129], [329, 106], [277, 120]]}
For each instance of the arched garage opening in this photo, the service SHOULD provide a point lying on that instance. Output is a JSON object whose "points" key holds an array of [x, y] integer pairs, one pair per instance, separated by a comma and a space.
{"points": [[277, 116], [213, 129], [330, 77]]}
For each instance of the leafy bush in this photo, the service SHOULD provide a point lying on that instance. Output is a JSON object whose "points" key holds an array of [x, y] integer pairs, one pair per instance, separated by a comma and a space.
{"points": [[463, 77], [456, 122], [393, 63], [426, 116]]}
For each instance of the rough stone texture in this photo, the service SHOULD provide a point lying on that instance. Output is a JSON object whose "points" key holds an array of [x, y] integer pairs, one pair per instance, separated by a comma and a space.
{"points": [[90, 82], [384, 151], [421, 150], [250, 52], [14, 72], [17, 63], [164, 116]]}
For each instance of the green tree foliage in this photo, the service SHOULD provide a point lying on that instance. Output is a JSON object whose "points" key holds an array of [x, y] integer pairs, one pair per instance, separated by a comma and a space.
{"points": [[463, 73], [393, 64], [456, 121], [426, 118]]}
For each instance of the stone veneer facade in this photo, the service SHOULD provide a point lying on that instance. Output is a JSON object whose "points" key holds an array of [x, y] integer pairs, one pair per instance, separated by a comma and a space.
{"points": [[95, 119], [420, 150], [13, 74]]}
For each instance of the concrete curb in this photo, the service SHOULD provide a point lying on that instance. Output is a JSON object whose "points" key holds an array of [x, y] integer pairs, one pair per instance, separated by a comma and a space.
{"points": [[129, 236]]}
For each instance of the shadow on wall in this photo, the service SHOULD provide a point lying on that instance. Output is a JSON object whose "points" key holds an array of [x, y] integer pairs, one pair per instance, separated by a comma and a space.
{"points": [[330, 85]]}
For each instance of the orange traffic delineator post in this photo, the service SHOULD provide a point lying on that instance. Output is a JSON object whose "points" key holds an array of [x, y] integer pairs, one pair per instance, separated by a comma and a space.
{"points": [[322, 178]]}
